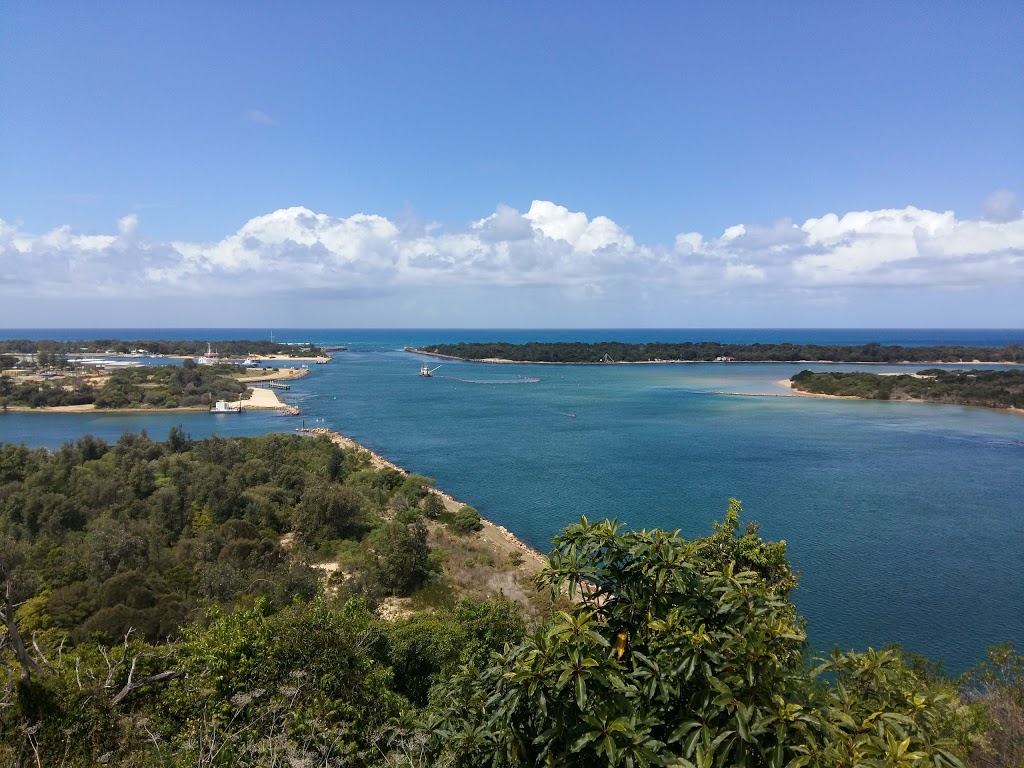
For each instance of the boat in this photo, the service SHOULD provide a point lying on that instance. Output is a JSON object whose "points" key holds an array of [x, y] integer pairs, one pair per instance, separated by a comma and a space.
{"points": [[427, 372], [250, 362], [209, 357]]}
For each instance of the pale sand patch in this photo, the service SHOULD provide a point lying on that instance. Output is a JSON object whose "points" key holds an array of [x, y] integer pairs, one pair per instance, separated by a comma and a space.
{"points": [[314, 358], [276, 374], [261, 400], [90, 408], [53, 409]]}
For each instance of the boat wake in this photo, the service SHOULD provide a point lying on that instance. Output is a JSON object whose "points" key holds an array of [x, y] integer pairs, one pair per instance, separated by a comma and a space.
{"points": [[531, 380]]}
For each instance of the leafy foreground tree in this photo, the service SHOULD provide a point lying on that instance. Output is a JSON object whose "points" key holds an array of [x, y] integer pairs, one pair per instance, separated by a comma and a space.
{"points": [[686, 653]]}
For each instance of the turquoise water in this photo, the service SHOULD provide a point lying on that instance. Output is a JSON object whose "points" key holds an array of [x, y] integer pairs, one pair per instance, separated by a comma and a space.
{"points": [[905, 521]]}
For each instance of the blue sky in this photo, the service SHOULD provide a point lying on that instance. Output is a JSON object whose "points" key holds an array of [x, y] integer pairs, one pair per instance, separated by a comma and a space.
{"points": [[479, 164]]}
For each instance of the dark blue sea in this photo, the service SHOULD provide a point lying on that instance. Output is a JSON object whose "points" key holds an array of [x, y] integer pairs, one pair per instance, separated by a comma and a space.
{"points": [[905, 521]]}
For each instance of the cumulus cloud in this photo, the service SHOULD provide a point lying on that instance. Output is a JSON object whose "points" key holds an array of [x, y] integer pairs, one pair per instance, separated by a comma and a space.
{"points": [[298, 252]]}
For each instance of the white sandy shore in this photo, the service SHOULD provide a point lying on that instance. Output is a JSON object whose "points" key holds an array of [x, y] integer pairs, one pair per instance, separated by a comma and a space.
{"points": [[273, 374]]}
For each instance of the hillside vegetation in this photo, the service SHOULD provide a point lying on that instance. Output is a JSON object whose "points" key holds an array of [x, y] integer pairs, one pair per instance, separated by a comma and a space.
{"points": [[165, 604]]}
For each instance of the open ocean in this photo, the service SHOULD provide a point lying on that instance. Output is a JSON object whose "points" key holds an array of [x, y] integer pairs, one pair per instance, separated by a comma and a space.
{"points": [[905, 521]]}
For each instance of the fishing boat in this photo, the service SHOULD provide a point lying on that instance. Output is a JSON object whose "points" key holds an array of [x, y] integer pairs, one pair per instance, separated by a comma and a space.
{"points": [[427, 372], [250, 362]]}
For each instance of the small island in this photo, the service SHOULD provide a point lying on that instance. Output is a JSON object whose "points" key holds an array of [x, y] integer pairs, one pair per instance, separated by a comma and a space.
{"points": [[989, 389], [713, 351]]}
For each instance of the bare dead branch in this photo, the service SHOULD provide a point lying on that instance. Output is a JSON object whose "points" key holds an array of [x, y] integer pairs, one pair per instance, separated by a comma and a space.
{"points": [[42, 656], [28, 664], [160, 677]]}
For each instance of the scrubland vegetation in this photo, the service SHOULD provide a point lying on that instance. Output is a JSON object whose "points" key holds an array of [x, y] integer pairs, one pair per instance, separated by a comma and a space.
{"points": [[159, 386], [171, 604]]}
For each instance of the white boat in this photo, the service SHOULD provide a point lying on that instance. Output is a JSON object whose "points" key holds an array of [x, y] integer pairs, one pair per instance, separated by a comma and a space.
{"points": [[427, 372], [209, 358], [250, 362]]}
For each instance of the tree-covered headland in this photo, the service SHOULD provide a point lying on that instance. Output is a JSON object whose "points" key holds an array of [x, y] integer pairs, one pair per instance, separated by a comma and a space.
{"points": [[166, 604], [158, 386], [172, 347], [710, 351], [991, 389]]}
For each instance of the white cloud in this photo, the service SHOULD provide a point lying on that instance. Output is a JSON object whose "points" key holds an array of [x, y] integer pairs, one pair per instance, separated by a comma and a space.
{"points": [[1002, 205], [127, 225], [259, 117], [295, 252]]}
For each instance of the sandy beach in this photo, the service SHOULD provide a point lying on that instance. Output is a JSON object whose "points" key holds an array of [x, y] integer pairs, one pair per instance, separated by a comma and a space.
{"points": [[273, 374], [262, 399]]}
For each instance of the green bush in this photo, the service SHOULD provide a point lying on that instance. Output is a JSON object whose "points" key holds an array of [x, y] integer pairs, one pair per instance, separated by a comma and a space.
{"points": [[466, 520]]}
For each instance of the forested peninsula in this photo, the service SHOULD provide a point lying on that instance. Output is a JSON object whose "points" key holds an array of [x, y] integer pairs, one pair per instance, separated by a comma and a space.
{"points": [[167, 347], [286, 600], [991, 389], [150, 387], [712, 351]]}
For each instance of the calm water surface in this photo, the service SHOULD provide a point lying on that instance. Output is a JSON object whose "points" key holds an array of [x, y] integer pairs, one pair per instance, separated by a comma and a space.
{"points": [[905, 521]]}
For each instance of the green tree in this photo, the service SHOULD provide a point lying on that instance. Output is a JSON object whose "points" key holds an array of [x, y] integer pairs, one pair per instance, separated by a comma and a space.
{"points": [[401, 556], [327, 511], [466, 520], [433, 506], [674, 655]]}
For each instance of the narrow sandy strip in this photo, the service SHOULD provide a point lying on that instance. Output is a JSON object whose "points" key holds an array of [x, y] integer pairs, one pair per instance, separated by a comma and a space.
{"points": [[91, 408], [266, 374]]}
